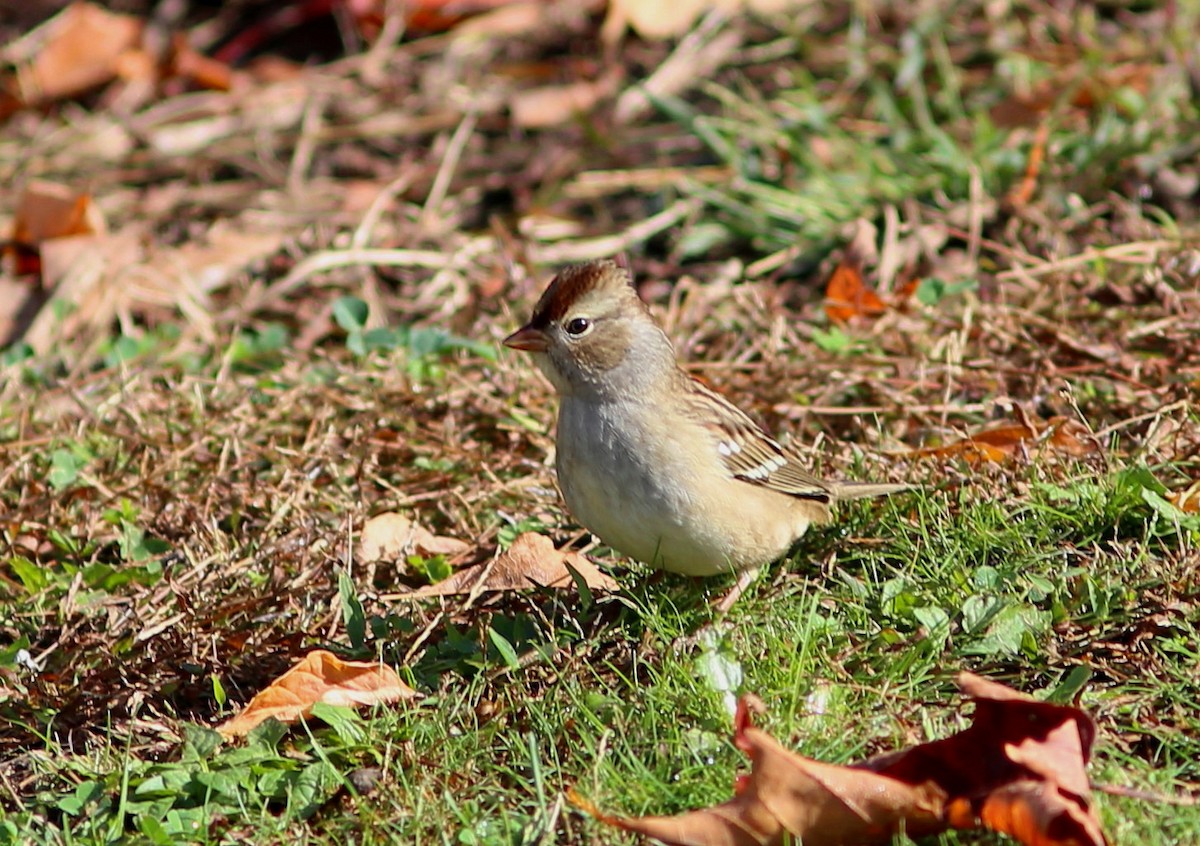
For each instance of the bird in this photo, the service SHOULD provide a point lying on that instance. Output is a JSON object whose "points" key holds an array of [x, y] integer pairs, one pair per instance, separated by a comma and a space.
{"points": [[651, 461]]}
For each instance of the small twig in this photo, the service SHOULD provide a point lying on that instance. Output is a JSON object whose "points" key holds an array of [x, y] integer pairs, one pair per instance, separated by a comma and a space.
{"points": [[306, 144], [449, 164], [1145, 795], [332, 259], [609, 245], [366, 227], [1137, 252]]}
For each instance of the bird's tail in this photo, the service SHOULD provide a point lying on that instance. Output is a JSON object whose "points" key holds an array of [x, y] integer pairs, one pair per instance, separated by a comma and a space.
{"points": [[858, 490]]}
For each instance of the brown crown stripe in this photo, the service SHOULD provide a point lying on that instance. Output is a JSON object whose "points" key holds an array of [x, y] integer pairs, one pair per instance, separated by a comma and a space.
{"points": [[571, 284]]}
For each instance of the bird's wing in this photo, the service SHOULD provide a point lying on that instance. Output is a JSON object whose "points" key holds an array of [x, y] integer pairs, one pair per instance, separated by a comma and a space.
{"points": [[749, 453]]}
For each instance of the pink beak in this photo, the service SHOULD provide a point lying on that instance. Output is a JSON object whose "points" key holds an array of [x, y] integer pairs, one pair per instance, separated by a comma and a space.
{"points": [[528, 339]]}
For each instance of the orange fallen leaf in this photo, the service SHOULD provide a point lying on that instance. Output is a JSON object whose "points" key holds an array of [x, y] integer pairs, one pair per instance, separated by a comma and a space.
{"points": [[319, 677], [1000, 443], [847, 295], [531, 561], [49, 210], [1186, 500]]}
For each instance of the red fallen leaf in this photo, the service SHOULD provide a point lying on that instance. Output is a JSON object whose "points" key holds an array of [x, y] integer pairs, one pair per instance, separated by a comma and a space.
{"points": [[319, 677], [1018, 769]]}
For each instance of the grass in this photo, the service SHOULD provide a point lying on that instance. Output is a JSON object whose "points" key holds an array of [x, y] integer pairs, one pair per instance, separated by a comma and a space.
{"points": [[181, 500]]}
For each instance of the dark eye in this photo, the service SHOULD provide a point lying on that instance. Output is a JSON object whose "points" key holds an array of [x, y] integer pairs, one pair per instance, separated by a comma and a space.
{"points": [[578, 326]]}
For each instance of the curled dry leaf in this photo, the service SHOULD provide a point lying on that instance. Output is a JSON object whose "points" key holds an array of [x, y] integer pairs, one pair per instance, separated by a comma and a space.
{"points": [[391, 536], [1000, 443], [319, 677], [531, 561], [790, 798], [847, 295], [1019, 769], [52, 226], [50, 210]]}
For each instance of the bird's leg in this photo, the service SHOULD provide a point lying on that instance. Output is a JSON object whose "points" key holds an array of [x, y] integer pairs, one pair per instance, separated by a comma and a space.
{"points": [[745, 578]]}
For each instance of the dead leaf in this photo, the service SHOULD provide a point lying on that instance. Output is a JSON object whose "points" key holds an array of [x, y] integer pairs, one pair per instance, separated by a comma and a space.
{"points": [[1186, 500], [1018, 769], [392, 536], [319, 677], [1000, 443], [531, 561], [79, 49], [51, 210], [847, 295], [790, 798]]}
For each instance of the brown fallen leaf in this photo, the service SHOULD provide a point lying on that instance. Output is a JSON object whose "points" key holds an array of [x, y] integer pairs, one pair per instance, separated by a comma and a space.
{"points": [[1000, 443], [79, 49], [531, 561], [392, 536], [790, 798], [1018, 769], [46, 211], [319, 677]]}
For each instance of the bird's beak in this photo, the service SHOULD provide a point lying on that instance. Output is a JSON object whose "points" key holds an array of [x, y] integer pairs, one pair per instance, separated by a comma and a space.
{"points": [[527, 338]]}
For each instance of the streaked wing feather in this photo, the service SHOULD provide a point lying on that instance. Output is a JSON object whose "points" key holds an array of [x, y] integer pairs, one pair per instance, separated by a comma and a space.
{"points": [[750, 454]]}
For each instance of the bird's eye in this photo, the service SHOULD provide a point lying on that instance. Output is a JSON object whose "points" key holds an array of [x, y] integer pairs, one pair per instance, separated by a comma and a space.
{"points": [[578, 326]]}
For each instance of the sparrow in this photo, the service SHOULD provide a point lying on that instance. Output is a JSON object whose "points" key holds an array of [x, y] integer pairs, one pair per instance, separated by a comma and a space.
{"points": [[651, 461]]}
